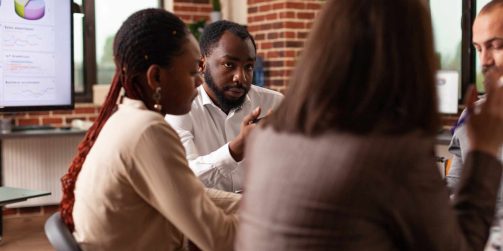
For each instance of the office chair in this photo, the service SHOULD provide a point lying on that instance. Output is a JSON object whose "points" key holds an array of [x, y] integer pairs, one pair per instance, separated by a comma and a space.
{"points": [[58, 234]]}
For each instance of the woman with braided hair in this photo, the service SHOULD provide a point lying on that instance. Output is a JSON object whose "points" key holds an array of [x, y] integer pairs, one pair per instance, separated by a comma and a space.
{"points": [[129, 186]]}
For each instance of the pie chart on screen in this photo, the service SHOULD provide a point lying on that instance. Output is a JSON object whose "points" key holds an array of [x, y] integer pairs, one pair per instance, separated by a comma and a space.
{"points": [[30, 9]]}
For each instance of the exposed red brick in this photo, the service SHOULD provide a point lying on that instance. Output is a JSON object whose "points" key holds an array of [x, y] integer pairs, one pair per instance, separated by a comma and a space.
{"points": [[305, 15], [313, 6], [268, 20], [253, 28], [81, 110], [24, 122], [290, 54], [9, 211], [276, 63], [295, 5], [266, 26], [288, 14], [278, 25], [30, 114], [250, 2], [295, 25], [279, 44], [192, 1], [272, 35], [274, 54], [278, 6], [290, 63], [289, 34], [272, 16], [266, 45], [252, 10], [264, 8], [185, 8], [205, 9], [260, 36], [52, 121], [62, 112], [302, 35], [258, 18]]}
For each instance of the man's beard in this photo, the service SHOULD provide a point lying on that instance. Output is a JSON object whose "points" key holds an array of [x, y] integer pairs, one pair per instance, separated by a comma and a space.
{"points": [[224, 103], [491, 75]]}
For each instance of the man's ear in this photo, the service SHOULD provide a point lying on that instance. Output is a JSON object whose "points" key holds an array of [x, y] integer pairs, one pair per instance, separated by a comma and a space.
{"points": [[202, 64], [153, 76]]}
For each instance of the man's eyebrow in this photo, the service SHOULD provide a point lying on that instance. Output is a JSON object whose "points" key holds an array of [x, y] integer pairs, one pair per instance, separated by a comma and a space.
{"points": [[233, 58], [490, 40]]}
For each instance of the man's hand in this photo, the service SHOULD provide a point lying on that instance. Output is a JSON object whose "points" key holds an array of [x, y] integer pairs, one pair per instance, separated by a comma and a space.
{"points": [[237, 145]]}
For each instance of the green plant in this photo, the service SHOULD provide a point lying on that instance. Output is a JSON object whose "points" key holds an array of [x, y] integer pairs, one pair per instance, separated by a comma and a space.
{"points": [[216, 5], [196, 28]]}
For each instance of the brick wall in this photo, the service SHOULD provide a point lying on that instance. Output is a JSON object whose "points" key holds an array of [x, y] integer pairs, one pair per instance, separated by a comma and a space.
{"points": [[280, 29], [56, 118], [192, 10]]}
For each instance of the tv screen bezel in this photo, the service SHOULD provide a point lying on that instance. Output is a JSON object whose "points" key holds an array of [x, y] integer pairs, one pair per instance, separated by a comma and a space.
{"points": [[70, 106]]}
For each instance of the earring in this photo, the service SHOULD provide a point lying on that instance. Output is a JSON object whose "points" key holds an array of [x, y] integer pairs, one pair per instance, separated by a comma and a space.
{"points": [[157, 99]]}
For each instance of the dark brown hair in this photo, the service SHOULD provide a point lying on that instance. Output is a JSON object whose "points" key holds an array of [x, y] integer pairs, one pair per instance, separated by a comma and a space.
{"points": [[150, 36], [368, 66]]}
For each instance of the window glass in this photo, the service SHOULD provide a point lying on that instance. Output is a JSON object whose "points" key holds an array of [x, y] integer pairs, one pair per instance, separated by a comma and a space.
{"points": [[109, 16], [478, 69], [446, 19]]}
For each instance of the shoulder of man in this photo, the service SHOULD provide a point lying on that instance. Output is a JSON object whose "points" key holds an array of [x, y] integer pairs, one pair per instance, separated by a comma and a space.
{"points": [[264, 91]]}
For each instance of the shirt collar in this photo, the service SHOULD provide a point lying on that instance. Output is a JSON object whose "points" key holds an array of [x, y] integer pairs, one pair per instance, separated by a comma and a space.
{"points": [[134, 103]]}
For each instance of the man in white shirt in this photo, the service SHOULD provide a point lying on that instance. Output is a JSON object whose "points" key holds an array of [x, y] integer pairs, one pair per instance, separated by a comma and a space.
{"points": [[214, 133]]}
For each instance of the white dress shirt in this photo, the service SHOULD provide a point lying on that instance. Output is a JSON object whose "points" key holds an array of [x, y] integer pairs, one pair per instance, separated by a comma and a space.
{"points": [[206, 131]]}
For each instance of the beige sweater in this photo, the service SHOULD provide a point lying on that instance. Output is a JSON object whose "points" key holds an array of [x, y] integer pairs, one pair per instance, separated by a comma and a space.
{"points": [[136, 191], [348, 192]]}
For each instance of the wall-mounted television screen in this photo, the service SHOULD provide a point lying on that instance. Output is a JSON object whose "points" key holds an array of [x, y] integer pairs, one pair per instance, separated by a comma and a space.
{"points": [[36, 55]]}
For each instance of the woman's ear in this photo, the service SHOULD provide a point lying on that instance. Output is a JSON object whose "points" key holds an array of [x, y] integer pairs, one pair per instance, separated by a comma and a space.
{"points": [[154, 76], [201, 65]]}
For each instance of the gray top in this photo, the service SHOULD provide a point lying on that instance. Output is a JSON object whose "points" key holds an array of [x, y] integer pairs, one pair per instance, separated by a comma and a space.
{"points": [[345, 192], [459, 147]]}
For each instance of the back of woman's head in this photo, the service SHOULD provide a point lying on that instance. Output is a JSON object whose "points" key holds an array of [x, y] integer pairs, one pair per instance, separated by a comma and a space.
{"points": [[151, 36], [147, 37], [368, 66]]}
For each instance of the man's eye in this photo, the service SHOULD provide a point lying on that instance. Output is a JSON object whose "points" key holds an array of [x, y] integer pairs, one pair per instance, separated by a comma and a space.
{"points": [[498, 45], [228, 65], [250, 67]]}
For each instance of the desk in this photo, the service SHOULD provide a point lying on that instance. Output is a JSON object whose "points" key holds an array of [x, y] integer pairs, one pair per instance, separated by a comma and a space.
{"points": [[12, 195]]}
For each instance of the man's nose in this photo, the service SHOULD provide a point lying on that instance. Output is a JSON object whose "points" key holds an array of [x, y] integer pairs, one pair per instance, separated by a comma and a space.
{"points": [[240, 76], [486, 57]]}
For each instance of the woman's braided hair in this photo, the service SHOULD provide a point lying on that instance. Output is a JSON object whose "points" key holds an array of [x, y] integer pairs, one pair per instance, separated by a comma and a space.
{"points": [[150, 36]]}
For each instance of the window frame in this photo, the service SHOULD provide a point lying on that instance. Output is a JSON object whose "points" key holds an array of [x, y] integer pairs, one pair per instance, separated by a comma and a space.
{"points": [[89, 49]]}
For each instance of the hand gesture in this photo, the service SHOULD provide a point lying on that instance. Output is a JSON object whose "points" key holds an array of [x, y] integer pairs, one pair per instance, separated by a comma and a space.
{"points": [[237, 145]]}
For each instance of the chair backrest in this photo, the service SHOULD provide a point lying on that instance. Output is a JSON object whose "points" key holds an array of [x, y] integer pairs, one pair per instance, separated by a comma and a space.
{"points": [[58, 234]]}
